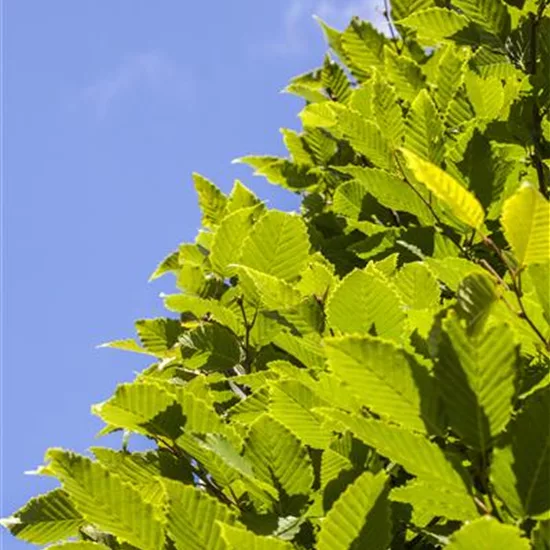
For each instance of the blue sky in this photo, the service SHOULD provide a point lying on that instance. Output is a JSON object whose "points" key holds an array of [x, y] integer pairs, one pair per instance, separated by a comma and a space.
{"points": [[108, 107]]}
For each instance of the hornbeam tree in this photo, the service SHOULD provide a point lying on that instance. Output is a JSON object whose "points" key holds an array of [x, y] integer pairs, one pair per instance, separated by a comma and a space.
{"points": [[374, 371]]}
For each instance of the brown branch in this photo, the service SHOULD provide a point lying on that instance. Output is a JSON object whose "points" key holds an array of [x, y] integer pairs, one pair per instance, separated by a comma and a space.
{"points": [[247, 329], [537, 154], [516, 289]]}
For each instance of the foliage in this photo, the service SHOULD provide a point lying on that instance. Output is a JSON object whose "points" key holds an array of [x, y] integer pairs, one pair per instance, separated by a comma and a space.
{"points": [[374, 372]]}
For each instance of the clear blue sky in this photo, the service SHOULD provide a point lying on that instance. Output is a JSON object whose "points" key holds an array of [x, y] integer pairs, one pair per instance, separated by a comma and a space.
{"points": [[108, 107]]}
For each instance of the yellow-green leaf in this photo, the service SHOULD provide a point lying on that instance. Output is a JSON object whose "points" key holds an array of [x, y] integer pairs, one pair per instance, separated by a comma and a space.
{"points": [[462, 203], [526, 222]]}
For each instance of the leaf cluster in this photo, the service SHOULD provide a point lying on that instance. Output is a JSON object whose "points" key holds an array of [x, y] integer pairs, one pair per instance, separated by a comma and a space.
{"points": [[372, 372]]}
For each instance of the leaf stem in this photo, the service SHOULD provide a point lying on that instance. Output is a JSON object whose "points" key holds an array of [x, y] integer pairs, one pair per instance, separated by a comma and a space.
{"points": [[390, 25], [441, 225], [516, 289], [247, 329]]}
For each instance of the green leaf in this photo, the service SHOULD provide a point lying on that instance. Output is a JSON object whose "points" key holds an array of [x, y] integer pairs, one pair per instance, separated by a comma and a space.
{"points": [[335, 81], [276, 454], [387, 111], [158, 335], [475, 297], [291, 403], [360, 514], [200, 417], [322, 145], [230, 456], [317, 280], [307, 349], [452, 271], [194, 280], [296, 147], [485, 94], [384, 379], [281, 172], [108, 503], [265, 290], [487, 533], [362, 100], [44, 519], [348, 199], [539, 275], [79, 545], [240, 197], [366, 138], [203, 308], [492, 15], [459, 112], [332, 464], [432, 499], [417, 286], [364, 48], [424, 130], [389, 190], [239, 539], [211, 347], [228, 239], [321, 115], [308, 86], [402, 8], [167, 265], [449, 77], [435, 24], [212, 201], [526, 222], [363, 302], [414, 452], [128, 344], [247, 410], [521, 468], [138, 407], [194, 518], [143, 470], [477, 377], [404, 74], [194, 254], [461, 202], [278, 245], [333, 37]]}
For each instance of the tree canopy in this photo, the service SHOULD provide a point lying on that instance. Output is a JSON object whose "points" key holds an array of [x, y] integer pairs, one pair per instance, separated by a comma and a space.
{"points": [[372, 372]]}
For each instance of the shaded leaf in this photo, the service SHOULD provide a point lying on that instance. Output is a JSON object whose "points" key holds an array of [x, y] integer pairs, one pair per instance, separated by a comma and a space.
{"points": [[526, 222], [487, 533], [105, 501], [477, 377], [361, 513], [46, 518]]}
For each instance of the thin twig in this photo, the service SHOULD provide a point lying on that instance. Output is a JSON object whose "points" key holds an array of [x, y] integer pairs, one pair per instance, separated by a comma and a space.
{"points": [[516, 289], [485, 264], [247, 329], [429, 206], [481, 505], [390, 25]]}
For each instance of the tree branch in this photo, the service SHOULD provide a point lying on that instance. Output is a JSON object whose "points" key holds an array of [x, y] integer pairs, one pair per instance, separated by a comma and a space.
{"points": [[516, 289], [537, 154]]}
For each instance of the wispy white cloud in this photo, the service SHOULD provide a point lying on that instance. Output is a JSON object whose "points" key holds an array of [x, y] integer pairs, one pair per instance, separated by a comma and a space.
{"points": [[151, 71], [339, 14], [336, 13]]}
